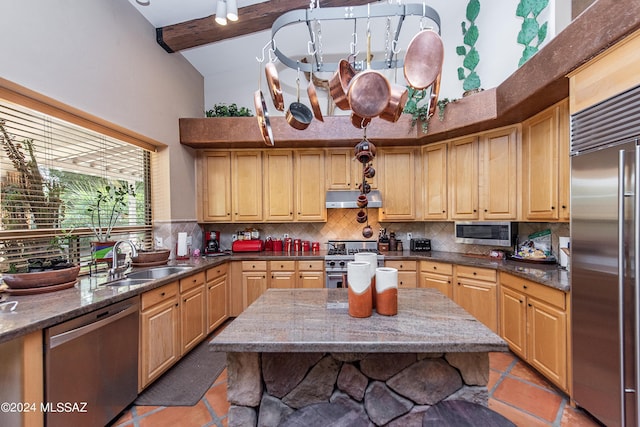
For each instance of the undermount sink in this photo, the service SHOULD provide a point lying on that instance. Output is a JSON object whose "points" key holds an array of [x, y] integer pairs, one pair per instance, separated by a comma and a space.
{"points": [[127, 282], [158, 272]]}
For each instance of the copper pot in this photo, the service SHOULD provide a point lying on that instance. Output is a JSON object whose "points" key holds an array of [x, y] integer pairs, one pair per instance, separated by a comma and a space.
{"points": [[263, 118], [369, 93], [274, 86], [395, 106], [359, 122], [423, 60], [299, 116], [339, 84], [313, 99], [435, 91]]}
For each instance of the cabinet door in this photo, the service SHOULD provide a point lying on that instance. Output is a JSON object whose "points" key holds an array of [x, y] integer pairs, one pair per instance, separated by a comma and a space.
{"points": [[254, 284], [216, 302], [498, 198], [479, 299], [397, 184], [463, 178], [311, 280], [192, 318], [547, 346], [278, 186], [159, 340], [310, 187], [247, 186], [564, 162], [437, 281], [513, 318], [215, 175], [540, 166], [434, 181], [283, 280], [339, 169]]}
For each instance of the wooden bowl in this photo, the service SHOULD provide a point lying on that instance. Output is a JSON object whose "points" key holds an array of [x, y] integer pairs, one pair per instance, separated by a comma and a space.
{"points": [[39, 279], [145, 257]]}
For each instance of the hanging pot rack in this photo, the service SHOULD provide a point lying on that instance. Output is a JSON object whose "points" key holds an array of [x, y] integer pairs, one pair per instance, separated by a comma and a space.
{"points": [[351, 13]]}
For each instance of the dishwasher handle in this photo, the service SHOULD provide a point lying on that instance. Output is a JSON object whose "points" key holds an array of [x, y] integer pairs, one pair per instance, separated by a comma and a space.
{"points": [[64, 337]]}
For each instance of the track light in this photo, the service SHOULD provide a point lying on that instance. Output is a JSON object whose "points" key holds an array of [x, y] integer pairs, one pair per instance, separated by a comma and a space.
{"points": [[232, 10], [221, 12]]}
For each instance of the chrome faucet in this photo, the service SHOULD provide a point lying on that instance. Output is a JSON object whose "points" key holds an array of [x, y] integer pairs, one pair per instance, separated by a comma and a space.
{"points": [[116, 272]]}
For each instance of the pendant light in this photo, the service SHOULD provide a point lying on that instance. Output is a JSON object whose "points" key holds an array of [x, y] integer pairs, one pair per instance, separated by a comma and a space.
{"points": [[232, 10], [221, 12]]}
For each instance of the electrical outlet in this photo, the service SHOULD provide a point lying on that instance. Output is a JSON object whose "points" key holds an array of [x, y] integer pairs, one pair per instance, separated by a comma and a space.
{"points": [[189, 240], [409, 236], [159, 242]]}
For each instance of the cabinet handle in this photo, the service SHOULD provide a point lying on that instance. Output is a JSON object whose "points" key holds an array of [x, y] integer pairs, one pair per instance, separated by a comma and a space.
{"points": [[449, 281], [162, 294], [564, 207], [458, 283], [301, 276], [474, 273], [553, 207], [529, 305], [264, 277], [291, 213], [177, 304], [272, 276], [401, 266], [444, 211], [435, 268], [524, 286], [486, 210], [474, 210], [521, 301], [309, 265]]}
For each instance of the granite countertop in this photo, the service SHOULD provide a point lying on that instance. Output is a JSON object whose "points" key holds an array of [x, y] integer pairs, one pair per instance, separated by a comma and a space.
{"points": [[35, 312], [317, 320]]}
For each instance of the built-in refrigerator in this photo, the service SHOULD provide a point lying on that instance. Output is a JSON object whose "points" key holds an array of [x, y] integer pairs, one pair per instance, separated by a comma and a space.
{"points": [[605, 302]]}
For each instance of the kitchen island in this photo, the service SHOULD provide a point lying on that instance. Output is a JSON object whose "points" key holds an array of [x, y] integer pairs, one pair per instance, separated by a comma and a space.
{"points": [[298, 347]]}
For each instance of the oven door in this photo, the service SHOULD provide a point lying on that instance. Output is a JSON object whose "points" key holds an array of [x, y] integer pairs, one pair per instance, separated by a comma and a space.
{"points": [[336, 279]]}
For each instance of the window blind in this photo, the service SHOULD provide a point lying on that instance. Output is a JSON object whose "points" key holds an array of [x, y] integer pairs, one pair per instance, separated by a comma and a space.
{"points": [[52, 175]]}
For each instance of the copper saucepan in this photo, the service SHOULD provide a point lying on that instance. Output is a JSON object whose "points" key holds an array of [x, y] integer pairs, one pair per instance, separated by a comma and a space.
{"points": [[369, 91], [298, 115], [423, 60], [313, 98], [435, 91], [263, 118], [339, 84], [274, 86], [397, 101]]}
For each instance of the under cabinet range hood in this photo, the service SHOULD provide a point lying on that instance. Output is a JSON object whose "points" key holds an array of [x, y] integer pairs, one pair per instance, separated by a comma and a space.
{"points": [[347, 199]]}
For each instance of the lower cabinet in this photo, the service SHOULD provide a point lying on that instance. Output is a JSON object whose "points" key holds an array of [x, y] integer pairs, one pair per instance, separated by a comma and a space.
{"points": [[476, 291], [159, 332], [254, 281], [311, 274], [217, 296], [407, 272], [436, 275], [534, 323], [283, 274], [193, 327]]}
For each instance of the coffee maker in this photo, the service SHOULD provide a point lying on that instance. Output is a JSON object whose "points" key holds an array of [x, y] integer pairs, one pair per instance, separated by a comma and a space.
{"points": [[212, 242]]}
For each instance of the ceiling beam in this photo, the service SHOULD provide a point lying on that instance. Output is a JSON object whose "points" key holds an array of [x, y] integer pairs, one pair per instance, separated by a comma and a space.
{"points": [[254, 18]]}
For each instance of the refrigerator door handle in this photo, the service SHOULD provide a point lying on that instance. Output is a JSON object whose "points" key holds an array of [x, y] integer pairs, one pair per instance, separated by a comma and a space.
{"points": [[636, 267], [621, 259]]}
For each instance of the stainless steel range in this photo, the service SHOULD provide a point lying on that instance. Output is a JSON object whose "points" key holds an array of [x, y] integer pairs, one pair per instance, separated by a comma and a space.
{"points": [[340, 252]]}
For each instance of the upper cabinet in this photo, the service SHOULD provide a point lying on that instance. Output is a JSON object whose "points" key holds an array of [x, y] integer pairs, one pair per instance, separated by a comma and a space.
{"points": [[498, 174], [397, 176], [310, 190], [434, 182], [278, 185], [214, 186], [344, 172], [463, 178], [544, 149], [246, 186]]}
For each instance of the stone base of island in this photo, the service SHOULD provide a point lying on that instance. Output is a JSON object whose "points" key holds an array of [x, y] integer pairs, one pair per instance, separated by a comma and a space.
{"points": [[296, 357]]}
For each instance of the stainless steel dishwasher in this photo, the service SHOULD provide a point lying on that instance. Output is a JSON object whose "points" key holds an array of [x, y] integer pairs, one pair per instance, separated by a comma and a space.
{"points": [[91, 366]]}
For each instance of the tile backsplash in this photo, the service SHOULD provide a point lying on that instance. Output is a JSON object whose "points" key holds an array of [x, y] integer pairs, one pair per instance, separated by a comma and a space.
{"points": [[342, 224]]}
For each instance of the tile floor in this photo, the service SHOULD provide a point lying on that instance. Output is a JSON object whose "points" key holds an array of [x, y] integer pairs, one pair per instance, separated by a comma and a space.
{"points": [[515, 391]]}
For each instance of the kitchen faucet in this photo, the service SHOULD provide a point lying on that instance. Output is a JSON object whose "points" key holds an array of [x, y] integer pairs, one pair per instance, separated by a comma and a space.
{"points": [[115, 272]]}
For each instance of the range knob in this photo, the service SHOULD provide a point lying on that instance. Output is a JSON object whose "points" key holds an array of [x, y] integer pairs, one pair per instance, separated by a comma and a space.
{"points": [[332, 263], [342, 263]]}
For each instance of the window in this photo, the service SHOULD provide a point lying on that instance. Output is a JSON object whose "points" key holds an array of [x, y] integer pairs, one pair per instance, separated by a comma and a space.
{"points": [[51, 174]]}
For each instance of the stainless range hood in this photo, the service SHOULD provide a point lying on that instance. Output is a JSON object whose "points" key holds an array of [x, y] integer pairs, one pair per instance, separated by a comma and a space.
{"points": [[347, 199]]}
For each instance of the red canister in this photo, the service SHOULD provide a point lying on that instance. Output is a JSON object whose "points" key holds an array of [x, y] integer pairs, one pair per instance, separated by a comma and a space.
{"points": [[297, 245], [288, 244], [315, 247], [277, 245], [306, 246]]}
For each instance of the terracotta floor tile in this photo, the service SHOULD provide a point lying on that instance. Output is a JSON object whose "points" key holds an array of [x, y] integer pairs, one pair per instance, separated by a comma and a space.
{"points": [[222, 378], [217, 398], [524, 371], [500, 361], [494, 376], [532, 399], [516, 416], [573, 417], [183, 416], [124, 419]]}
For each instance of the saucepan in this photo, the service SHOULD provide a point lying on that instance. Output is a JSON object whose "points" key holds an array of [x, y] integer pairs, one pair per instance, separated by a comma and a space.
{"points": [[313, 98], [298, 115], [274, 86], [423, 60], [435, 91], [339, 84]]}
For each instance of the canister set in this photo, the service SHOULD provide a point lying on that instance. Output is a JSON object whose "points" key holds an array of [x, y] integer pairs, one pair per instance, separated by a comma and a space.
{"points": [[290, 245], [371, 287]]}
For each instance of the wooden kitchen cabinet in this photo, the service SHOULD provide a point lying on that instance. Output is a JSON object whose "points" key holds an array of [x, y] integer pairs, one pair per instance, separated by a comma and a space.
{"points": [[310, 186], [407, 272], [217, 296], [283, 274], [434, 182], [278, 185], [236, 299], [344, 172], [254, 281], [463, 178], [214, 194], [397, 181], [311, 274], [498, 175], [193, 317], [545, 168], [534, 323], [437, 275], [159, 332], [476, 291], [246, 186]]}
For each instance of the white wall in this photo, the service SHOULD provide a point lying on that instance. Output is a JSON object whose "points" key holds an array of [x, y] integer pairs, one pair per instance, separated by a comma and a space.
{"points": [[101, 56]]}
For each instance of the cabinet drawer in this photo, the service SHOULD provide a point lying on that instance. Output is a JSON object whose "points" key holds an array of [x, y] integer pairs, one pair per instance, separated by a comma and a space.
{"points": [[155, 296], [217, 271], [402, 265], [476, 273], [282, 265], [191, 281], [315, 265], [254, 265], [544, 293], [436, 267], [407, 279]]}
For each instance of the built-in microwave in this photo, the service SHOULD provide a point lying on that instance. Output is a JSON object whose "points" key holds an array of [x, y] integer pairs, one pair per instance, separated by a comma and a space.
{"points": [[492, 233]]}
